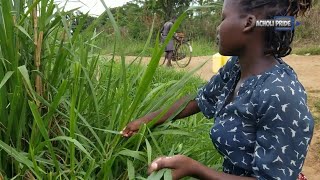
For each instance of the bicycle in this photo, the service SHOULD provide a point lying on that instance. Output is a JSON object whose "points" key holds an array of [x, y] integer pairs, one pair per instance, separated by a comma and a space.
{"points": [[182, 52]]}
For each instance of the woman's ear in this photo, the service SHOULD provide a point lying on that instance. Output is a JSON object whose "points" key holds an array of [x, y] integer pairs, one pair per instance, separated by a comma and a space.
{"points": [[250, 23]]}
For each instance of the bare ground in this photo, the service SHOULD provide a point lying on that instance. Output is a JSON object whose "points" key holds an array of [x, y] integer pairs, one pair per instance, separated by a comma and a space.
{"points": [[308, 70]]}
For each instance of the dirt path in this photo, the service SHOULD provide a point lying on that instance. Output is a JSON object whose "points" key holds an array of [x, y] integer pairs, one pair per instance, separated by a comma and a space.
{"points": [[308, 70]]}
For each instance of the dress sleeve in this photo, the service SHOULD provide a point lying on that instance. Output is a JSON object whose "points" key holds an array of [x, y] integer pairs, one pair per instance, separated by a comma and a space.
{"points": [[284, 130], [208, 94]]}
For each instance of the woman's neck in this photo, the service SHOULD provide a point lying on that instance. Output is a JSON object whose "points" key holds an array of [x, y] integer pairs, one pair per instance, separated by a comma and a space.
{"points": [[254, 63]]}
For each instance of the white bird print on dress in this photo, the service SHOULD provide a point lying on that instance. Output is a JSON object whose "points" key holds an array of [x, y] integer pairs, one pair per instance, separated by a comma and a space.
{"points": [[245, 125], [301, 103], [277, 138], [306, 118], [307, 140], [284, 107], [235, 139], [231, 119], [282, 129], [265, 127], [222, 123], [265, 167], [293, 83], [246, 104], [284, 148], [265, 90], [253, 104], [277, 118], [263, 137], [236, 113], [293, 162], [292, 90], [283, 171], [233, 130], [297, 153], [277, 96], [290, 172], [229, 152], [295, 122], [244, 161], [242, 148], [293, 132], [300, 165], [250, 141], [214, 130], [272, 147], [218, 140], [247, 111], [276, 80], [227, 144], [307, 129], [255, 168], [282, 88], [246, 134], [270, 107], [250, 154], [301, 143], [257, 155], [302, 156], [298, 112], [224, 115], [277, 159]]}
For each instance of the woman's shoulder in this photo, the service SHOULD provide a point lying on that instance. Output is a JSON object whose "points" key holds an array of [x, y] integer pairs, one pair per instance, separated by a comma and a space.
{"points": [[280, 78]]}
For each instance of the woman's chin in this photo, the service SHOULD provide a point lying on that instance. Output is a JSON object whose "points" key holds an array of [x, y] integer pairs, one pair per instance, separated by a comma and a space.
{"points": [[225, 52]]}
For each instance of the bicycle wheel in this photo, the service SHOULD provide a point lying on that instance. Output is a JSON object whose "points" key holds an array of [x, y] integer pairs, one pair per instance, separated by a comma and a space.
{"points": [[183, 54]]}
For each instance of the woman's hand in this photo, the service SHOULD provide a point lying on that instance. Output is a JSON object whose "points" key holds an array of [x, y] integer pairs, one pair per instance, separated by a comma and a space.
{"points": [[132, 128], [181, 166]]}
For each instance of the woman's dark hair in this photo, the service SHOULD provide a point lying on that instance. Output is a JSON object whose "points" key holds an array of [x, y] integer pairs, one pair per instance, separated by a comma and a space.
{"points": [[277, 42]]}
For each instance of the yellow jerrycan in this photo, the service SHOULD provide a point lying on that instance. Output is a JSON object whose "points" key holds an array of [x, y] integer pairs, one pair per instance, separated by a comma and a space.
{"points": [[218, 61]]}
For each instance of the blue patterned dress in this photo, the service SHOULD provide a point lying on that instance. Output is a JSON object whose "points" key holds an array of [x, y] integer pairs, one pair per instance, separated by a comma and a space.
{"points": [[266, 130]]}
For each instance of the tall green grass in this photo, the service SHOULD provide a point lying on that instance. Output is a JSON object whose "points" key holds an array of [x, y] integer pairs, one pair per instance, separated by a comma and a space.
{"points": [[201, 47], [62, 105]]}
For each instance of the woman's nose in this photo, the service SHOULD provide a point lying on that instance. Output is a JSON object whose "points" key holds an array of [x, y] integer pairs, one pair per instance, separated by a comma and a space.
{"points": [[218, 29]]}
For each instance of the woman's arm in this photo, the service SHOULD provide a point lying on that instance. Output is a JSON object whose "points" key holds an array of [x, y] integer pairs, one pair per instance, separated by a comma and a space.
{"points": [[183, 166], [190, 109]]}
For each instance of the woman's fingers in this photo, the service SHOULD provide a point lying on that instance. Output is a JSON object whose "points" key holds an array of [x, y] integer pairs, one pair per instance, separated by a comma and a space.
{"points": [[167, 162], [160, 163]]}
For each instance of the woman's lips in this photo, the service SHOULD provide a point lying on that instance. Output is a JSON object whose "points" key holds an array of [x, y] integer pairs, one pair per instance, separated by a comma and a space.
{"points": [[217, 40]]}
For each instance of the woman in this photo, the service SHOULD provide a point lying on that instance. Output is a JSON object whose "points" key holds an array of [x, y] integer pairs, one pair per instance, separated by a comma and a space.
{"points": [[263, 126]]}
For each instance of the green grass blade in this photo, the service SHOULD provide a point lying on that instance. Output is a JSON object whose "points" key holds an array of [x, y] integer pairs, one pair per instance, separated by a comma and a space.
{"points": [[149, 151], [5, 78], [131, 172], [44, 132], [167, 174], [134, 154], [74, 141], [18, 156]]}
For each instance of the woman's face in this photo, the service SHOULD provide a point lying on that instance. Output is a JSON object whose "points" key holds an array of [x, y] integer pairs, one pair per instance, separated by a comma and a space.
{"points": [[231, 39]]}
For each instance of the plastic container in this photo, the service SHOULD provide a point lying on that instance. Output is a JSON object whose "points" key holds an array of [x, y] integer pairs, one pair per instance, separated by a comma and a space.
{"points": [[218, 61]]}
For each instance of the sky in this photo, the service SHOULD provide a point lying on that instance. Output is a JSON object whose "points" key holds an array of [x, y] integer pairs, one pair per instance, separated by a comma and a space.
{"points": [[94, 6]]}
